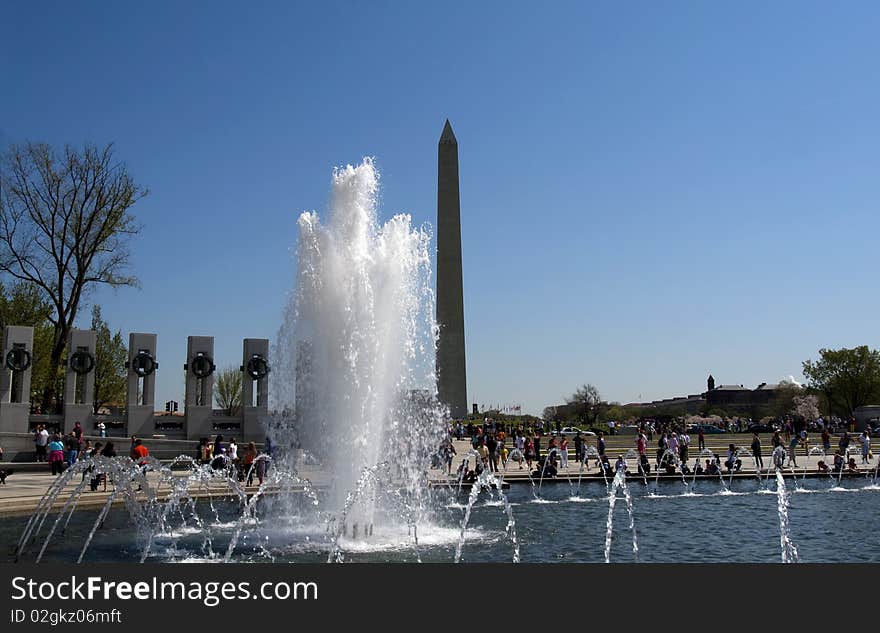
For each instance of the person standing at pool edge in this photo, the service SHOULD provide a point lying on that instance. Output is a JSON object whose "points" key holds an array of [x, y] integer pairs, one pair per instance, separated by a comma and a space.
{"points": [[56, 454], [756, 451]]}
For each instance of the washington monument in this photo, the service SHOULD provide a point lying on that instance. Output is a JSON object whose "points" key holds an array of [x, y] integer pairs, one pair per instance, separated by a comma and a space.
{"points": [[451, 379]]}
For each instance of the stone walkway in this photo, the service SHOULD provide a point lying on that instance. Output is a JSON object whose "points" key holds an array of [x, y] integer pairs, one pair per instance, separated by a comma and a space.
{"points": [[23, 490]]}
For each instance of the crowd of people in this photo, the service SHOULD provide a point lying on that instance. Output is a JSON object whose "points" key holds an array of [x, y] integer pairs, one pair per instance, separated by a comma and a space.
{"points": [[221, 454], [495, 444], [61, 451]]}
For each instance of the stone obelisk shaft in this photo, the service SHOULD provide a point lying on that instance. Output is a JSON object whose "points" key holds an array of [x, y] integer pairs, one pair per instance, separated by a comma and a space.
{"points": [[451, 378]]}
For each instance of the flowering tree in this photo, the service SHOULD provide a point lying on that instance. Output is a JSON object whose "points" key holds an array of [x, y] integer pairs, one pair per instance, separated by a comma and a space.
{"points": [[714, 420], [806, 407]]}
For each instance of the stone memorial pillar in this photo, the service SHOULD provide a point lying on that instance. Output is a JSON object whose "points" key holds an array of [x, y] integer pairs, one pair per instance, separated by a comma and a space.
{"points": [[255, 388], [199, 370], [142, 366], [15, 378], [79, 380]]}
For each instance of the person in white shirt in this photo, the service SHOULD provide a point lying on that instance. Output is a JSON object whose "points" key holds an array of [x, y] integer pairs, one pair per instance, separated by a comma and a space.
{"points": [[866, 446], [41, 441]]}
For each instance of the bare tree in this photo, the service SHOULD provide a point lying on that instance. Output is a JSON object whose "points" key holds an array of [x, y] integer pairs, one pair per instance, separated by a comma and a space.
{"points": [[227, 390], [65, 226], [587, 402]]}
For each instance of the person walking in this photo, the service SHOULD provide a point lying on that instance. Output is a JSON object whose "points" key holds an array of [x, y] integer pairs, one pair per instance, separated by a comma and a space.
{"points": [[492, 448], [529, 453], [826, 440], [448, 452], [641, 445], [483, 450], [684, 440], [72, 449], [662, 446], [78, 434], [552, 450], [600, 448], [776, 440], [701, 439], [843, 445], [563, 452], [866, 446], [673, 444], [756, 451], [140, 453], [792, 445], [109, 452]]}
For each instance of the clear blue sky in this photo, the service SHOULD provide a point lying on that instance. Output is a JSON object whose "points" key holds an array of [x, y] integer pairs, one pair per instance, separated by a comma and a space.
{"points": [[650, 191]]}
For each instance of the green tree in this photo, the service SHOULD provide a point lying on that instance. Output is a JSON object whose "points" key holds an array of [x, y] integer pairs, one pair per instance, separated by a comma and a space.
{"points": [[227, 390], [619, 413], [64, 227], [783, 401], [848, 378], [110, 356]]}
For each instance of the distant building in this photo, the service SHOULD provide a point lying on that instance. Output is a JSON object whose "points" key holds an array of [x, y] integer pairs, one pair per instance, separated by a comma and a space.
{"points": [[868, 415], [735, 399]]}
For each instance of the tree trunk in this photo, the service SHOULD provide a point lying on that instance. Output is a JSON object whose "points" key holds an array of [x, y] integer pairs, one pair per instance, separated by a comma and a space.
{"points": [[58, 345]]}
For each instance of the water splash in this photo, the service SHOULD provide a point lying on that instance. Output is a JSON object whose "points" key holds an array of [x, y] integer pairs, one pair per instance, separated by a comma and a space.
{"points": [[355, 354], [487, 481], [789, 549], [619, 482]]}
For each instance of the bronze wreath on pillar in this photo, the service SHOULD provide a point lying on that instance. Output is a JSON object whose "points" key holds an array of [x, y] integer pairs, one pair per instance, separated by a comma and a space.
{"points": [[143, 364], [81, 362], [257, 367], [18, 359], [201, 365]]}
